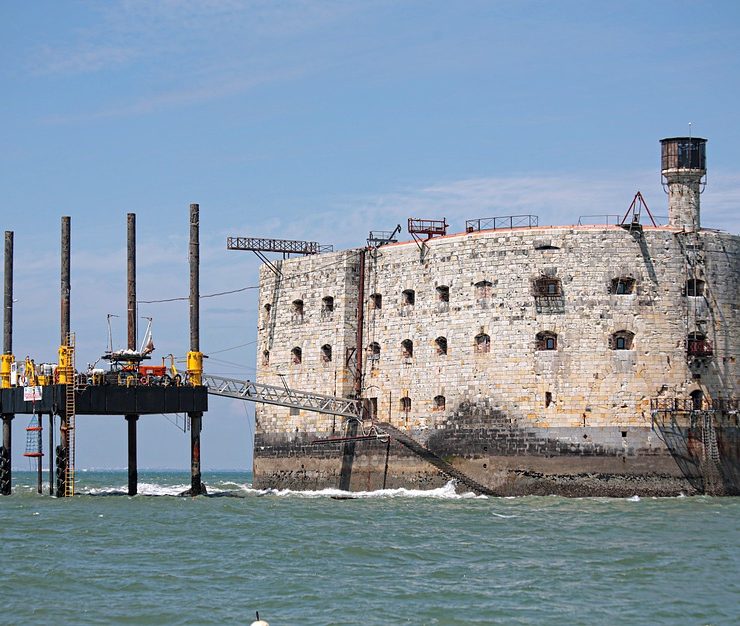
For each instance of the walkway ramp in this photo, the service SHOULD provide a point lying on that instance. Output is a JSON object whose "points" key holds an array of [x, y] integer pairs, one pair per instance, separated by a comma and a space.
{"points": [[281, 396], [429, 456]]}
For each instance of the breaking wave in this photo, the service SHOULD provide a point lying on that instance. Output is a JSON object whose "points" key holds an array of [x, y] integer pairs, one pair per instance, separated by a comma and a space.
{"points": [[227, 488]]}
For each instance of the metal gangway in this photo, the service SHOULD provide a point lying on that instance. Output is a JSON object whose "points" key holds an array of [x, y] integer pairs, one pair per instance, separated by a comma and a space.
{"points": [[345, 407], [282, 396]]}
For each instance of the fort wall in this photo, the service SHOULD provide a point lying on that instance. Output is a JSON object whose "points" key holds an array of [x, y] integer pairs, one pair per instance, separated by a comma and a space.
{"points": [[556, 337]]}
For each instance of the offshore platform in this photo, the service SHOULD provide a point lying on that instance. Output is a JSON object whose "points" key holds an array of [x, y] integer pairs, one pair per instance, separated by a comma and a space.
{"points": [[128, 388], [132, 389]]}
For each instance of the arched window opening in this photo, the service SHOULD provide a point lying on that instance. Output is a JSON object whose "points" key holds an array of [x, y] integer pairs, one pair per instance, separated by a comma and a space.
{"points": [[546, 341], [623, 285], [698, 346], [407, 348], [483, 289], [546, 287], [296, 355], [408, 297], [443, 293], [374, 351], [376, 301], [405, 404], [297, 313], [439, 403], [482, 344], [697, 399], [694, 287], [441, 344], [326, 353], [267, 308], [621, 340], [266, 357], [327, 307]]}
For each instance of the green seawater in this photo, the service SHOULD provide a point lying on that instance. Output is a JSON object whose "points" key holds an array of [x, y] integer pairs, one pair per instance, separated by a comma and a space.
{"points": [[390, 557]]}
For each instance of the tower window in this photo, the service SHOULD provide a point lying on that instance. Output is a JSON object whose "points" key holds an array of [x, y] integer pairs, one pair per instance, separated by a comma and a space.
{"points": [[326, 353], [621, 340], [405, 404], [694, 287], [546, 341], [376, 301], [546, 287], [483, 289], [408, 297], [297, 310], [266, 357], [439, 403], [407, 348], [374, 351], [441, 343], [327, 305], [623, 286], [697, 400], [482, 344], [296, 355], [443, 293]]}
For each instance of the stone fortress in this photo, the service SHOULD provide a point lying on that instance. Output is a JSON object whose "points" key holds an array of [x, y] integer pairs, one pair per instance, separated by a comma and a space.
{"points": [[528, 357]]}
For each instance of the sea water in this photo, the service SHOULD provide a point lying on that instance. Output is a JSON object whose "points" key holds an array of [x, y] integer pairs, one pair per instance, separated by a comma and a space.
{"points": [[386, 557]]}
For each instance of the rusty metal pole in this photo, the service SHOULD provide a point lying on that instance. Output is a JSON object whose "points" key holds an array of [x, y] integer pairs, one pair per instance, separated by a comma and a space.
{"points": [[6, 477], [194, 258], [348, 449], [132, 419], [131, 279], [360, 324], [51, 454], [133, 468], [39, 466], [66, 284], [8, 308], [196, 417], [65, 292]]}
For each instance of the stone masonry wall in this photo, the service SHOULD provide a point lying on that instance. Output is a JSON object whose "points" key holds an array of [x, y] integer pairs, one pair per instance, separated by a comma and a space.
{"points": [[582, 383]]}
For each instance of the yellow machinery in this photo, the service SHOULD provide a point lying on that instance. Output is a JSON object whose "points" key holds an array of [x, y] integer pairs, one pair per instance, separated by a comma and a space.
{"points": [[195, 368], [6, 366], [29, 371]]}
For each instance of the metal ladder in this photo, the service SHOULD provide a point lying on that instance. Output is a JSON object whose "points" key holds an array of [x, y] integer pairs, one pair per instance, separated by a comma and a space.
{"points": [[69, 405]]}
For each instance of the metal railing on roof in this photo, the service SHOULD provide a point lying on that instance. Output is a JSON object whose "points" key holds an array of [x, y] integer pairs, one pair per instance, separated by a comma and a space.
{"points": [[501, 222]]}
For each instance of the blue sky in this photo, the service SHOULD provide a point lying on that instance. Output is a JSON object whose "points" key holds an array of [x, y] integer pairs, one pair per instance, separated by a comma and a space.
{"points": [[322, 121]]}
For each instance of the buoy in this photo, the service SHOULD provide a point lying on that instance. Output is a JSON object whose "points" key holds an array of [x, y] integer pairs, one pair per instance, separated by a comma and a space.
{"points": [[259, 622]]}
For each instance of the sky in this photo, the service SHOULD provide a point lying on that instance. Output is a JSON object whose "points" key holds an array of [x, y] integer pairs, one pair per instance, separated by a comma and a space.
{"points": [[321, 120]]}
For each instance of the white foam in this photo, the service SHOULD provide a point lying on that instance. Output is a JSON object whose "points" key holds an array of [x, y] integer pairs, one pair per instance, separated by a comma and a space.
{"points": [[445, 493], [633, 499], [154, 489]]}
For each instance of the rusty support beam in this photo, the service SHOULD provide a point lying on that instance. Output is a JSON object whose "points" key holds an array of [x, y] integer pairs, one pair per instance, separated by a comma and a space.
{"points": [[131, 278], [65, 280], [8, 308], [194, 257]]}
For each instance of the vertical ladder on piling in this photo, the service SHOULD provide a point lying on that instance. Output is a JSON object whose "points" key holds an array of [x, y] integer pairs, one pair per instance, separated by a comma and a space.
{"points": [[69, 476]]}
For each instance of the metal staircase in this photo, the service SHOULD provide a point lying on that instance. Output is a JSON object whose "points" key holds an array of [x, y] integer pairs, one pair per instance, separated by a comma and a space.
{"points": [[429, 456]]}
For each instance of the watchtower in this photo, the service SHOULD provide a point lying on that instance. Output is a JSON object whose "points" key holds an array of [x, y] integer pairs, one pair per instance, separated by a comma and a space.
{"points": [[683, 173]]}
